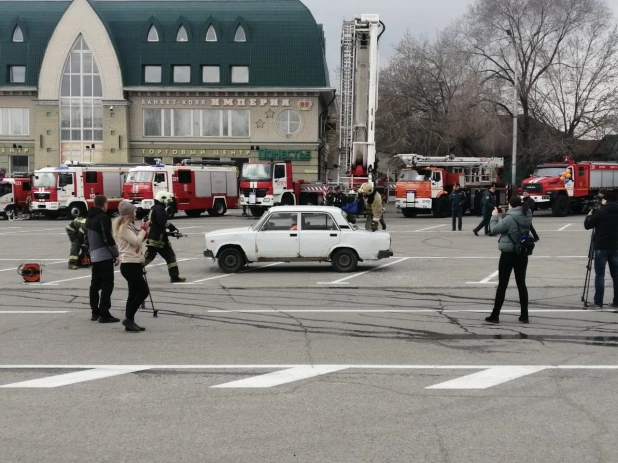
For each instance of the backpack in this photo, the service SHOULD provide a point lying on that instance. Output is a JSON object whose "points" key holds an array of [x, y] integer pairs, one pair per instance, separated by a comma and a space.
{"points": [[525, 245]]}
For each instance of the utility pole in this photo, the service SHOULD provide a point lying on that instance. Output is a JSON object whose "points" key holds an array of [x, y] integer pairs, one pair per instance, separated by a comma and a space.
{"points": [[515, 95]]}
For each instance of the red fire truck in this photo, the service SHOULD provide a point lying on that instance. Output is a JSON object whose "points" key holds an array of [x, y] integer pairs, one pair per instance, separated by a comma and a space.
{"points": [[424, 185], [570, 186], [197, 187], [70, 189], [266, 184], [14, 193]]}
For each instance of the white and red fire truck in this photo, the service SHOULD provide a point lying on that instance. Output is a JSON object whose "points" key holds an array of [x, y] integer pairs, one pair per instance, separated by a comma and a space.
{"points": [[70, 189], [197, 187], [570, 186], [424, 185], [14, 192], [269, 183]]}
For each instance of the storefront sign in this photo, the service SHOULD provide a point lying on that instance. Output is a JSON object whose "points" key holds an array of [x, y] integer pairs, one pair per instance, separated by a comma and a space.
{"points": [[228, 102], [195, 152], [284, 155], [15, 150]]}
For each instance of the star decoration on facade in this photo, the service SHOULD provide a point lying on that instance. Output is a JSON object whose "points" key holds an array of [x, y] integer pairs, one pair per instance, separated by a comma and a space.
{"points": [[270, 114], [260, 124]]}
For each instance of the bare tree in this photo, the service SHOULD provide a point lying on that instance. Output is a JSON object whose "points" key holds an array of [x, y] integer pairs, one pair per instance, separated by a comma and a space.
{"points": [[429, 100], [578, 93], [529, 34]]}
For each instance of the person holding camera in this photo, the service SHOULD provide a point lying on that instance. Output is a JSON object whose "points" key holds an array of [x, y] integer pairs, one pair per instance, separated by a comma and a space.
{"points": [[130, 240], [511, 228], [604, 222]]}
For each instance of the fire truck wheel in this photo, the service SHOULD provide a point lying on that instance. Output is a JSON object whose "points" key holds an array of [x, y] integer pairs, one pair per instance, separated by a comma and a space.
{"points": [[409, 212], [560, 208], [256, 211], [441, 207], [287, 200], [231, 260], [344, 260], [77, 210], [218, 209], [193, 213]]}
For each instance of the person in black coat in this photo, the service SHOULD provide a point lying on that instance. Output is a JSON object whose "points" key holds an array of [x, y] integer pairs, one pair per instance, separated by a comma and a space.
{"points": [[488, 204], [458, 201]]}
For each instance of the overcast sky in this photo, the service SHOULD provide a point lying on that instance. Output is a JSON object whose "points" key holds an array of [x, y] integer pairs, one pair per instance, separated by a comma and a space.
{"points": [[417, 16]]}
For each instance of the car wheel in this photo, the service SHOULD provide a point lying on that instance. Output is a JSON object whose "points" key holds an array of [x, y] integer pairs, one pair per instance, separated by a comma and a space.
{"points": [[561, 206], [344, 260], [409, 212], [218, 209], [231, 260]]}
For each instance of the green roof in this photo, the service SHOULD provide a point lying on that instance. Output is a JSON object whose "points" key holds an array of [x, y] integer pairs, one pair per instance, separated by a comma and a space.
{"points": [[284, 48]]}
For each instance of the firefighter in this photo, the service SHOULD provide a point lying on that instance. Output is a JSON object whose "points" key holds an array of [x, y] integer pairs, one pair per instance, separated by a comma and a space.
{"points": [[158, 240], [373, 206], [77, 234]]}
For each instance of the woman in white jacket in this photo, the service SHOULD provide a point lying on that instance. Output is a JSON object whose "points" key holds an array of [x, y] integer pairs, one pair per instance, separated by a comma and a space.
{"points": [[129, 240]]}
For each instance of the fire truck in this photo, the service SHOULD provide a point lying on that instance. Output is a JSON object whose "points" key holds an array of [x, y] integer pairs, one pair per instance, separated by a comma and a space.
{"points": [[14, 193], [267, 184], [70, 189], [424, 185], [570, 186], [197, 187]]}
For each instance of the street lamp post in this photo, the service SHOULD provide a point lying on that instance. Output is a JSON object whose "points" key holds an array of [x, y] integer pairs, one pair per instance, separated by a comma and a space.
{"points": [[514, 155]]}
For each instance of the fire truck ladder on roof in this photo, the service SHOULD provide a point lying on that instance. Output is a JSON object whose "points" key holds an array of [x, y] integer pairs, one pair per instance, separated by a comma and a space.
{"points": [[348, 71]]}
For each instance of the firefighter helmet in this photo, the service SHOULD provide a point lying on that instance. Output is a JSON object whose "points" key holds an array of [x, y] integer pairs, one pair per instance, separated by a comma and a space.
{"points": [[366, 189], [163, 197]]}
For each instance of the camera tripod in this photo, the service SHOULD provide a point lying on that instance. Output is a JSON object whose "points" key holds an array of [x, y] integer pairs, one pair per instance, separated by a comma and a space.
{"points": [[586, 292]]}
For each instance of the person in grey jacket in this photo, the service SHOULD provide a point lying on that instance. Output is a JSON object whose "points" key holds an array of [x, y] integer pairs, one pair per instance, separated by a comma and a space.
{"points": [[511, 227]]}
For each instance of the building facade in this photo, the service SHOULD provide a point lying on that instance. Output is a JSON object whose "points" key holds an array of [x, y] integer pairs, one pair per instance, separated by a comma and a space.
{"points": [[111, 81]]}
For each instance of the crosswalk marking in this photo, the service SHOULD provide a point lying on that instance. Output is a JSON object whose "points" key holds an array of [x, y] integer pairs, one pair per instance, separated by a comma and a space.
{"points": [[282, 377], [488, 378], [485, 376], [75, 377]]}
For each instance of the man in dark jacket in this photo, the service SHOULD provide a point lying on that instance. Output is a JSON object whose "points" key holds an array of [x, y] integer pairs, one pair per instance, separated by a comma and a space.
{"points": [[76, 230], [605, 224], [458, 201], [104, 256], [488, 204], [158, 241], [335, 197]]}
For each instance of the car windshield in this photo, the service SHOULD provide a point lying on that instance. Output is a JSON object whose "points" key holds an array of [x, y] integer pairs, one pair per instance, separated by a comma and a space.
{"points": [[256, 172], [258, 225], [141, 176], [549, 171], [414, 176], [44, 180]]}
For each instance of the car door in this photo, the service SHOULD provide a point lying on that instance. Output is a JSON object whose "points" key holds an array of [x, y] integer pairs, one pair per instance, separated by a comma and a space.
{"points": [[278, 237], [318, 234]]}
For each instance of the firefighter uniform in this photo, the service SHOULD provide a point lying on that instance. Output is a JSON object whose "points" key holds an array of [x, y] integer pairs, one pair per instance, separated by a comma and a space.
{"points": [[158, 241], [76, 230]]}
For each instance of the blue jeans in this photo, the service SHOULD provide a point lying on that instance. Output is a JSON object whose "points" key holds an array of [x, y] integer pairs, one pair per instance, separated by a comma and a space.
{"points": [[601, 258]]}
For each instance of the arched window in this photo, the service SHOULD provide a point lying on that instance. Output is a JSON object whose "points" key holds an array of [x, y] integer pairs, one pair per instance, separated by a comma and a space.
{"points": [[18, 35], [81, 106], [153, 34], [182, 35], [211, 35], [240, 35]]}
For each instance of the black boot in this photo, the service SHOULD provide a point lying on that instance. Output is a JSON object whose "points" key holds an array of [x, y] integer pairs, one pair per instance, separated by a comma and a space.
{"points": [[493, 319], [129, 325]]}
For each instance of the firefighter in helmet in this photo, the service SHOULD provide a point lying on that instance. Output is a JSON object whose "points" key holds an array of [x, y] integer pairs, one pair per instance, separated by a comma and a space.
{"points": [[373, 207], [158, 239], [76, 230]]}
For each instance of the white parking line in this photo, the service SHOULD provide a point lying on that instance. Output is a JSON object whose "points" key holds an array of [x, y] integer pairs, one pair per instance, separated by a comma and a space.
{"points": [[73, 378], [117, 271], [343, 280], [14, 312], [31, 231], [565, 227], [485, 281], [515, 311], [282, 377], [488, 378], [429, 228], [230, 274]]}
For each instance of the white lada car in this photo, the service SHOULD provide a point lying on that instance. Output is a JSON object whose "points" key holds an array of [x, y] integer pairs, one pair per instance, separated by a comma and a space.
{"points": [[298, 234]]}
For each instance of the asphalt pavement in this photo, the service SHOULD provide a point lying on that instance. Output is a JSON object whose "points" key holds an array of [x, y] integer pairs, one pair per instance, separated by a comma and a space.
{"points": [[288, 362]]}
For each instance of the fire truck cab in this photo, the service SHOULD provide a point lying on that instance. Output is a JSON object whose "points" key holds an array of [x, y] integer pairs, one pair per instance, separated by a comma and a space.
{"points": [[196, 186], [70, 189], [14, 193]]}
